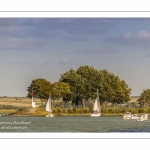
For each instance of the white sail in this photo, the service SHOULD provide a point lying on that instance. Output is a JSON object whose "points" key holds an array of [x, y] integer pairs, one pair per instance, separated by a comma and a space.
{"points": [[48, 105], [96, 109], [97, 103]]}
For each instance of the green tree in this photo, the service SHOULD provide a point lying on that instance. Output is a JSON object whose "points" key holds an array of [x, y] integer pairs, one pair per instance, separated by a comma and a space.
{"points": [[60, 89], [115, 89], [86, 80], [76, 83], [41, 89], [93, 80], [144, 98]]}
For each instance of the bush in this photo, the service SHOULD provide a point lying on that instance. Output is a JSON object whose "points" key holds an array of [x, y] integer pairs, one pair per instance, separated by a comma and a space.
{"points": [[40, 112], [69, 110]]}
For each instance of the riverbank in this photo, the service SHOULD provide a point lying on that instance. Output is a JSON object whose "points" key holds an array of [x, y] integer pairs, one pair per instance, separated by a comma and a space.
{"points": [[74, 111]]}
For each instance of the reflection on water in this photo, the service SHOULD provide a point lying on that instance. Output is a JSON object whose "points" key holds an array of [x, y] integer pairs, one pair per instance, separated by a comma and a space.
{"points": [[72, 124]]}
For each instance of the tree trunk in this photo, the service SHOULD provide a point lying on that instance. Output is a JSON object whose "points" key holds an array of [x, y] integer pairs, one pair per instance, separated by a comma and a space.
{"points": [[82, 102], [42, 103]]}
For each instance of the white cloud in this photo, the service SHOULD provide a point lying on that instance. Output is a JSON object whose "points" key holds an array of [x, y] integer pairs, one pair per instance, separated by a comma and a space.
{"points": [[98, 50], [12, 43], [127, 35], [143, 35], [141, 38], [64, 61]]}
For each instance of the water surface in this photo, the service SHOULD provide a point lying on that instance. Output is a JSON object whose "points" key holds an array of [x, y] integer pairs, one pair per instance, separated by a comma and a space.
{"points": [[72, 124]]}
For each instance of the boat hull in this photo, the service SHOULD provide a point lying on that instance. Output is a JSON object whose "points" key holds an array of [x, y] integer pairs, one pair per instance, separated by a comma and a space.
{"points": [[130, 117], [96, 115], [143, 117], [134, 117], [138, 118], [49, 115]]}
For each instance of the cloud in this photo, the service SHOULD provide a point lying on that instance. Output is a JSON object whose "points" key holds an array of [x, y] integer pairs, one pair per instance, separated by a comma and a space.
{"points": [[98, 50], [75, 38], [47, 63], [64, 61], [11, 31], [143, 35], [42, 32], [141, 38], [18, 63], [34, 33], [8, 22], [21, 43], [71, 25]]}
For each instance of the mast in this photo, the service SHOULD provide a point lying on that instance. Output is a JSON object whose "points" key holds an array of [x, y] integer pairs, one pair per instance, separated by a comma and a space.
{"points": [[98, 101]]}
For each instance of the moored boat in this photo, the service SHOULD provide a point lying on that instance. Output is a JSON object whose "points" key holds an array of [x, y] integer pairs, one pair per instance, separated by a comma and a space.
{"points": [[48, 108], [96, 110], [128, 115], [143, 117]]}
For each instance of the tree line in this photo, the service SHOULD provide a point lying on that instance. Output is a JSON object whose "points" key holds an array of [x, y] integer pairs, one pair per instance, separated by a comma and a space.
{"points": [[81, 85]]}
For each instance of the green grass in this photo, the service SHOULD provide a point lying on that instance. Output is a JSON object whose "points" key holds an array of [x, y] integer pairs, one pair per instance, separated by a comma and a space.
{"points": [[7, 111], [10, 106]]}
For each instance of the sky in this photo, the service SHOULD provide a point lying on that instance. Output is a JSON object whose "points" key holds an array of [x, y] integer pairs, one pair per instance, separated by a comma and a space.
{"points": [[32, 48]]}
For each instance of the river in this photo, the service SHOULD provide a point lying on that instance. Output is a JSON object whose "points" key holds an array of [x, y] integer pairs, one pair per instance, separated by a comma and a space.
{"points": [[103, 124]]}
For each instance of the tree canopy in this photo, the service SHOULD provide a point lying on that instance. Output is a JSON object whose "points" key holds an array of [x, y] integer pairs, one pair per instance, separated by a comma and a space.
{"points": [[86, 80], [81, 84], [41, 88], [144, 98], [59, 89]]}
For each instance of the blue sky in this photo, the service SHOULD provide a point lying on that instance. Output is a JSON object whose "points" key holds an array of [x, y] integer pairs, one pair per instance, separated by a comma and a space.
{"points": [[32, 48]]}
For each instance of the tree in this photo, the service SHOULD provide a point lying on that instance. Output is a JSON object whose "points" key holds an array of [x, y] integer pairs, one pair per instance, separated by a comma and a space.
{"points": [[76, 83], [144, 98], [41, 89], [93, 79], [116, 89], [85, 81], [60, 89]]}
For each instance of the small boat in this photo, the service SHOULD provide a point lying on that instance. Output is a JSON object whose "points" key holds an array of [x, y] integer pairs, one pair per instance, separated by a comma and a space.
{"points": [[48, 108], [1, 115], [134, 116], [128, 115], [96, 110], [143, 117]]}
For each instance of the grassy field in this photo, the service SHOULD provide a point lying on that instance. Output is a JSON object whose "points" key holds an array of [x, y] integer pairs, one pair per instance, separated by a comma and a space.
{"points": [[7, 111], [10, 105], [22, 102]]}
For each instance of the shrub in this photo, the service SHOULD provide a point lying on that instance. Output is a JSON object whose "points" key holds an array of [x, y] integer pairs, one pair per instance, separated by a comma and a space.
{"points": [[69, 110]]}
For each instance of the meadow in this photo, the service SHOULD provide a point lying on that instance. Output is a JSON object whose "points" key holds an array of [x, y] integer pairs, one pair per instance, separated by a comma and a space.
{"points": [[10, 105], [22, 105]]}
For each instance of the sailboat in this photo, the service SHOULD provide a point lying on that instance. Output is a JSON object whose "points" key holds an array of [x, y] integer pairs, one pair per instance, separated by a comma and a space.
{"points": [[144, 116], [33, 103], [48, 108], [96, 109]]}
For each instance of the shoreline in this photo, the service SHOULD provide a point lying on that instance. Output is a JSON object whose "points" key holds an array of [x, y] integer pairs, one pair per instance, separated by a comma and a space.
{"points": [[65, 115]]}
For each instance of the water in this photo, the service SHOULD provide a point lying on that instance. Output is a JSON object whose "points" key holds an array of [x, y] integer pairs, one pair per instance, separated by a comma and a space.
{"points": [[101, 124]]}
